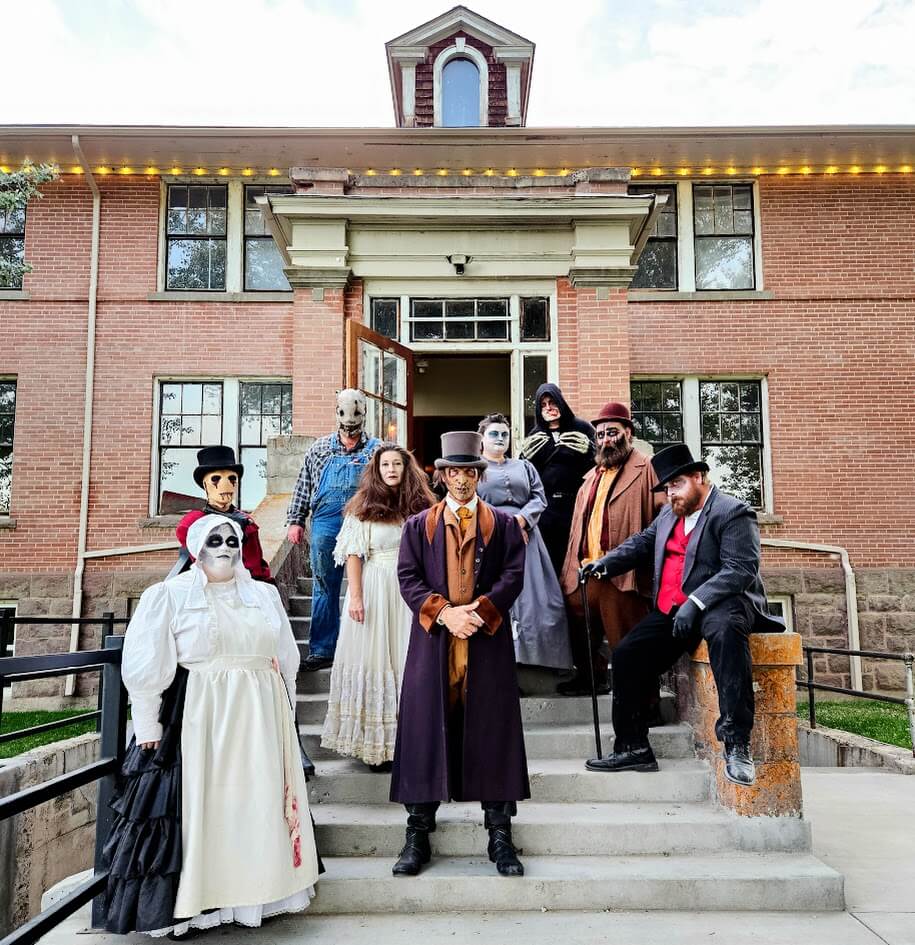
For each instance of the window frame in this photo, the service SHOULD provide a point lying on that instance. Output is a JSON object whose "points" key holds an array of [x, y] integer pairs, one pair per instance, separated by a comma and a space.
{"points": [[787, 605], [686, 258], [268, 189], [14, 381], [692, 423], [459, 50], [14, 607], [231, 418], [195, 237], [642, 190], [711, 236], [11, 235]]}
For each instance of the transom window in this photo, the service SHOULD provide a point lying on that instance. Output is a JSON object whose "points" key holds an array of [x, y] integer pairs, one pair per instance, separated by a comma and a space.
{"points": [[460, 94], [720, 420], [263, 260], [12, 244], [196, 237], [459, 320], [7, 424]]}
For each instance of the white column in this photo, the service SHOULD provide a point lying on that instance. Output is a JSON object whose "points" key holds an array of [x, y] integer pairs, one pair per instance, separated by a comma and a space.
{"points": [[513, 88], [408, 91]]}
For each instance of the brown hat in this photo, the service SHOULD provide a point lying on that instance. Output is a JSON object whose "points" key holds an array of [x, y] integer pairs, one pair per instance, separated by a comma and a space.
{"points": [[614, 411], [462, 448]]}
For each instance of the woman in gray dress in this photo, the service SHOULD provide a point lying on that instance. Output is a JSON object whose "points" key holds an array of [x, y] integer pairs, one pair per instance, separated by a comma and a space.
{"points": [[538, 616]]}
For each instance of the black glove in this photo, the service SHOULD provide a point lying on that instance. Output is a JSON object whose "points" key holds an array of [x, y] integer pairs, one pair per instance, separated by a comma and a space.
{"points": [[684, 620], [593, 569]]}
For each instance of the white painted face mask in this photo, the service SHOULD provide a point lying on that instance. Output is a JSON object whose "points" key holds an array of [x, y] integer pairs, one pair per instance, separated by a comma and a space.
{"points": [[220, 553]]}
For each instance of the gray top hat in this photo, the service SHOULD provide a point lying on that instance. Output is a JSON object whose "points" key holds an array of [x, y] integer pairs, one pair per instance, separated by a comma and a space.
{"points": [[462, 448]]}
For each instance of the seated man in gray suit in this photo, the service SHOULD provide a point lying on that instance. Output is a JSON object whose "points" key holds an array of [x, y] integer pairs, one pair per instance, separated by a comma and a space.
{"points": [[705, 549]]}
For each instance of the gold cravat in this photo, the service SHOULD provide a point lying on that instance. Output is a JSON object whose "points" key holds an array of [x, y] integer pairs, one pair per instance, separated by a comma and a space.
{"points": [[464, 516]]}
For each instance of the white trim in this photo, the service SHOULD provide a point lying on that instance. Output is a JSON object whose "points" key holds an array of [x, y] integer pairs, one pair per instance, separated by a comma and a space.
{"points": [[513, 92], [768, 496], [787, 602], [163, 208], [686, 253], [235, 242], [757, 239], [461, 51], [408, 92]]}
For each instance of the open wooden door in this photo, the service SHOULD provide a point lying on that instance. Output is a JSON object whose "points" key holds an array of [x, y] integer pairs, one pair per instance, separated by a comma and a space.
{"points": [[383, 370]]}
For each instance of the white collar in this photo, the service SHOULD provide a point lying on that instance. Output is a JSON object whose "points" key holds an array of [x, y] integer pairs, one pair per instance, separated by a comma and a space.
{"points": [[454, 505]]}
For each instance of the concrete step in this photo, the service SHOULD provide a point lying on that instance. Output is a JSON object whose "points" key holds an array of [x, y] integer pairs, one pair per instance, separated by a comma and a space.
{"points": [[556, 741], [776, 882], [682, 780], [559, 710], [300, 605], [546, 829], [312, 682], [306, 583]]}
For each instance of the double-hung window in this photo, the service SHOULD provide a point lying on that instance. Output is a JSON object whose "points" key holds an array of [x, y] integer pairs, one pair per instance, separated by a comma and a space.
{"points": [[7, 632], [722, 421], [705, 238], [192, 414], [263, 261], [12, 244], [196, 229], [7, 424]]}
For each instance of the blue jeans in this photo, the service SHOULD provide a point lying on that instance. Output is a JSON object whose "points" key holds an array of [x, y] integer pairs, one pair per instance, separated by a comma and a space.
{"points": [[325, 601]]}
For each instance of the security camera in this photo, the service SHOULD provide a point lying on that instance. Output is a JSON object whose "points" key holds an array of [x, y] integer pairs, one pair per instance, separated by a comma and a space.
{"points": [[459, 261]]}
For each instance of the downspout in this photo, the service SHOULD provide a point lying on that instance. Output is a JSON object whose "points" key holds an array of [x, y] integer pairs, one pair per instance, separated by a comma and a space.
{"points": [[851, 595], [87, 406]]}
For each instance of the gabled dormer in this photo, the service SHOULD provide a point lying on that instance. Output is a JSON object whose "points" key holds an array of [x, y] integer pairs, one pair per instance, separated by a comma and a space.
{"points": [[460, 70]]}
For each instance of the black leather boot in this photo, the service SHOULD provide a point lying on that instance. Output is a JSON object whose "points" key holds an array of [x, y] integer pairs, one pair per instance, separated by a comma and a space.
{"points": [[416, 851], [738, 763], [502, 851]]}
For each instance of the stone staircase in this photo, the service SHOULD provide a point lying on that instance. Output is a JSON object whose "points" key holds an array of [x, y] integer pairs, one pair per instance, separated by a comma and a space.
{"points": [[588, 841]]}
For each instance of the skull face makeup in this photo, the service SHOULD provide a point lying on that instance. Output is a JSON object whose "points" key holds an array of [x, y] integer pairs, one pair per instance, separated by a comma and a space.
{"points": [[221, 486], [350, 411], [220, 553]]}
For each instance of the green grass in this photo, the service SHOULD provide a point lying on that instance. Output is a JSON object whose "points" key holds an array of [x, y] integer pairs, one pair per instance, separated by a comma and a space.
{"points": [[882, 721], [15, 721]]}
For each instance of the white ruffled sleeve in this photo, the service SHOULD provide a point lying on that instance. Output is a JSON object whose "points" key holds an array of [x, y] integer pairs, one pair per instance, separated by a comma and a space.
{"points": [[353, 539], [149, 661]]}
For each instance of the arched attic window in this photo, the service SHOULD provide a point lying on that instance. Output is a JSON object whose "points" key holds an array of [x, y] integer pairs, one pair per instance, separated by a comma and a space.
{"points": [[460, 94]]}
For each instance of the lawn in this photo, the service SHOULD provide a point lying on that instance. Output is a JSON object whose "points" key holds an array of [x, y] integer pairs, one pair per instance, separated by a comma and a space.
{"points": [[882, 721], [15, 721]]}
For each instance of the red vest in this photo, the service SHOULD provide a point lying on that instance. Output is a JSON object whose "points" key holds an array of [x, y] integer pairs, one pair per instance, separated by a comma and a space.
{"points": [[670, 593]]}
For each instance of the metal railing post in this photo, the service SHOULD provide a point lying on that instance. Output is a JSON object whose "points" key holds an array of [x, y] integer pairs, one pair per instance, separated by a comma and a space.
{"points": [[909, 659], [811, 697], [111, 745]]}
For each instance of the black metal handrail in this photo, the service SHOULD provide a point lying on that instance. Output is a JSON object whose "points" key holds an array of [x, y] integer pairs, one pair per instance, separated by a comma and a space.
{"points": [[57, 665], [113, 715], [908, 659]]}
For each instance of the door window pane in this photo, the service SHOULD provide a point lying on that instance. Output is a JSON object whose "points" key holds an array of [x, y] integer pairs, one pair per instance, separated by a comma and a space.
{"points": [[533, 375], [460, 94]]}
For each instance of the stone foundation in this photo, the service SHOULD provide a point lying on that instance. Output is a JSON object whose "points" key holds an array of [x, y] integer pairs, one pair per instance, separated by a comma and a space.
{"points": [[774, 744]]}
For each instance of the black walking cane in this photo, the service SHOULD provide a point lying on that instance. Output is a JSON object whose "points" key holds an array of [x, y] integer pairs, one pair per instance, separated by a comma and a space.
{"points": [[583, 584]]}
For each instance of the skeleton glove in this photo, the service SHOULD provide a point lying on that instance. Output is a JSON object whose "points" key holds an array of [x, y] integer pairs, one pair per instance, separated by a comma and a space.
{"points": [[533, 444], [576, 441]]}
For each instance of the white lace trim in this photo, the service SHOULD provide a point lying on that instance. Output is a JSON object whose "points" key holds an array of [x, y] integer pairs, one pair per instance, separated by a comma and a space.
{"points": [[361, 717]]}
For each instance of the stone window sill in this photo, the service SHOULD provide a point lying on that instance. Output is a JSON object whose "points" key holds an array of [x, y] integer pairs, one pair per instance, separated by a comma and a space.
{"points": [[160, 521], [7, 522], [667, 295], [219, 297], [769, 518], [14, 295]]}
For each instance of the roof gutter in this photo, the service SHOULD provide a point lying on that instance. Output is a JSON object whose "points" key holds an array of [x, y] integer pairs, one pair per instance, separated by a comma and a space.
{"points": [[70, 686]]}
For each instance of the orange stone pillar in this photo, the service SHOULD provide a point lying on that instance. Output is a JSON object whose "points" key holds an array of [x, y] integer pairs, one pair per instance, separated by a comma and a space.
{"points": [[777, 791]]}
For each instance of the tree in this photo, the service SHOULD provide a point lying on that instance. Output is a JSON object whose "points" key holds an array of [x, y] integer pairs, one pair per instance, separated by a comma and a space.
{"points": [[17, 188]]}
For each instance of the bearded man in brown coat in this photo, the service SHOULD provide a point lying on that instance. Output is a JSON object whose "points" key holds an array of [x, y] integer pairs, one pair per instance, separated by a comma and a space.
{"points": [[615, 501]]}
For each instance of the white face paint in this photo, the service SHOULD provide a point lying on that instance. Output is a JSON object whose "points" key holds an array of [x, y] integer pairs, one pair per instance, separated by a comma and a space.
{"points": [[350, 411], [496, 439], [219, 554]]}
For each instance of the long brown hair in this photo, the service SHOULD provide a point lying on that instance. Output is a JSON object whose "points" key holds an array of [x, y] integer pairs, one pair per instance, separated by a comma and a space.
{"points": [[375, 501]]}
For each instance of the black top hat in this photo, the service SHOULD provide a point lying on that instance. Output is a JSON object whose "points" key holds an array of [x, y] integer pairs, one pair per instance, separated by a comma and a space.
{"points": [[675, 460], [462, 448], [215, 457]]}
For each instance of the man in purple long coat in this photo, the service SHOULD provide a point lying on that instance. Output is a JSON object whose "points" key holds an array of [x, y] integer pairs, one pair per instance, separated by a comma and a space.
{"points": [[459, 734]]}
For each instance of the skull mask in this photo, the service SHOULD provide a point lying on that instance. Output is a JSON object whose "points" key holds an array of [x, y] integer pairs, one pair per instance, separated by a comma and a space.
{"points": [[350, 411], [220, 486], [220, 553]]}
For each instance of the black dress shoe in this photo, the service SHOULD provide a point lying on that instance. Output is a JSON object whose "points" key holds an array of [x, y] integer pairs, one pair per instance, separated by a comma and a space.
{"points": [[630, 759], [580, 686], [502, 852], [738, 763], [415, 853], [312, 664]]}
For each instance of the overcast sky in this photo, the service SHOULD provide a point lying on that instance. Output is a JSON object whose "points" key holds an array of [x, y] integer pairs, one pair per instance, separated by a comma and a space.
{"points": [[322, 62]]}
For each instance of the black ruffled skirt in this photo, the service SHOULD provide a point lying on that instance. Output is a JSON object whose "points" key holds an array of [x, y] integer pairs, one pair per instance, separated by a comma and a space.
{"points": [[143, 851]]}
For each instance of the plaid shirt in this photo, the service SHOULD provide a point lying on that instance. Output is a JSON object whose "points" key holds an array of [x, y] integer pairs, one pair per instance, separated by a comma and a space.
{"points": [[316, 458]]}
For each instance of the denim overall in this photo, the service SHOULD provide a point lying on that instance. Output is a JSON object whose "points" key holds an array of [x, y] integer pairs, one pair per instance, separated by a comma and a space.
{"points": [[339, 481]]}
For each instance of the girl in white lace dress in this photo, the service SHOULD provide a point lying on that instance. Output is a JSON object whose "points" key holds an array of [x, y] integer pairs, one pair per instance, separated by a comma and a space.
{"points": [[375, 627]]}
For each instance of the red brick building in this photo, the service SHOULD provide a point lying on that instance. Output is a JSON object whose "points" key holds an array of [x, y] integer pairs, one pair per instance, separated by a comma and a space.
{"points": [[749, 290]]}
